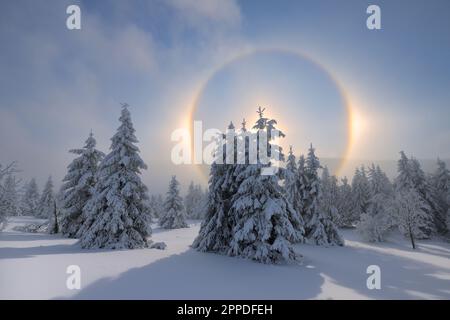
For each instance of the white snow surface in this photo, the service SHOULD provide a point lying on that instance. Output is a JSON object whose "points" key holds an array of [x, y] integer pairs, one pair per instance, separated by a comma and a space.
{"points": [[33, 266]]}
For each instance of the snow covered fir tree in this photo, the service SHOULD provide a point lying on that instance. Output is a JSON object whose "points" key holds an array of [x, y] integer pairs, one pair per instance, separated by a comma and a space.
{"points": [[319, 226], [174, 216], [411, 214], [250, 217], [47, 200], [78, 186], [9, 203], [412, 178], [117, 214], [376, 221], [195, 202], [30, 199], [156, 204]]}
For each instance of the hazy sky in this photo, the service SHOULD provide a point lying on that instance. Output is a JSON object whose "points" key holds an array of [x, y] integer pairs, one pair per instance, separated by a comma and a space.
{"points": [[56, 84]]}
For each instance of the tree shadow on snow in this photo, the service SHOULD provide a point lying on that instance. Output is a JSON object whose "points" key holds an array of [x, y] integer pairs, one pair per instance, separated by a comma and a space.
{"points": [[69, 246], [25, 236], [401, 277], [197, 275]]}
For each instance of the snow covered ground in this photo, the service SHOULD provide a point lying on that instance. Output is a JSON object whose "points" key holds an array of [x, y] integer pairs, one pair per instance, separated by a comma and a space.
{"points": [[33, 266]]}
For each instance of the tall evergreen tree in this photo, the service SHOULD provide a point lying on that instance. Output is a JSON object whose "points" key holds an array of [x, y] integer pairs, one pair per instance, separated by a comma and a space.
{"points": [[174, 216], [248, 214], [410, 213], [266, 224], [5, 171], [216, 228], [9, 197], [192, 200], [30, 199], [376, 221], [117, 214], [345, 204], [440, 181], [189, 199], [156, 204], [320, 228], [411, 177], [361, 193], [291, 180], [46, 202], [78, 185], [330, 195], [200, 206]]}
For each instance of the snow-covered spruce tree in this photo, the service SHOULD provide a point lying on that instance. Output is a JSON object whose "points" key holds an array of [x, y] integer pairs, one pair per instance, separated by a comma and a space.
{"points": [[174, 214], [192, 200], [302, 184], [320, 228], [329, 195], [216, 228], [189, 199], [361, 193], [440, 181], [9, 197], [5, 171], [117, 214], [156, 204], [30, 199], [410, 213], [428, 193], [378, 181], [78, 185], [266, 224], [345, 204], [200, 206], [412, 178], [375, 223], [46, 202], [291, 183], [294, 184], [290, 177]]}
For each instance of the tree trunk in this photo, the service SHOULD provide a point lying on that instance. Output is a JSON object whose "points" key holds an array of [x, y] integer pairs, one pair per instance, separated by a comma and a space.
{"points": [[412, 238], [56, 227]]}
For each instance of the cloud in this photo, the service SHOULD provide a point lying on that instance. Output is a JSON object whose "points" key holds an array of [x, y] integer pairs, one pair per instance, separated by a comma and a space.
{"points": [[223, 11], [59, 84]]}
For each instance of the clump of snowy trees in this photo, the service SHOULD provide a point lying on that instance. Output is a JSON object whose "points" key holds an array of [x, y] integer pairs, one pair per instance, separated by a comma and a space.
{"points": [[102, 200], [249, 210], [78, 186], [117, 214], [250, 214], [174, 216], [8, 193], [414, 203], [156, 204], [421, 201], [195, 202]]}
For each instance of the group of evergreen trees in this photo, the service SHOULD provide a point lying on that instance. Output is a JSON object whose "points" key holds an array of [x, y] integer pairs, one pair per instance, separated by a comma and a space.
{"points": [[104, 202], [246, 212], [195, 201], [17, 199], [250, 214], [415, 203]]}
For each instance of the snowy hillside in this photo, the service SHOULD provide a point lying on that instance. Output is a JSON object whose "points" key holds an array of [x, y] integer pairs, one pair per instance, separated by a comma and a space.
{"points": [[33, 266]]}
